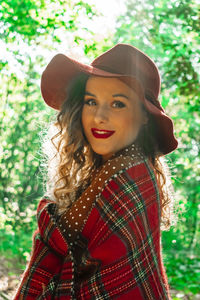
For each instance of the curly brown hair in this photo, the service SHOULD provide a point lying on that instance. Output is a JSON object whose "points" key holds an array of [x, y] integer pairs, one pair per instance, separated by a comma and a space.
{"points": [[76, 160]]}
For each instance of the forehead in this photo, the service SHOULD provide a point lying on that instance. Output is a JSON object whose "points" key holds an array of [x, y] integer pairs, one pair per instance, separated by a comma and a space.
{"points": [[109, 84]]}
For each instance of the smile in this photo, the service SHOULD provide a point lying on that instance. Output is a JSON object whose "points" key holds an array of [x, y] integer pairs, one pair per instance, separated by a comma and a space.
{"points": [[101, 134]]}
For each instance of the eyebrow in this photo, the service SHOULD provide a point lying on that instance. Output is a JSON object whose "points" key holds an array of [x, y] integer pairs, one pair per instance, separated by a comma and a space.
{"points": [[121, 95], [89, 94], [115, 95]]}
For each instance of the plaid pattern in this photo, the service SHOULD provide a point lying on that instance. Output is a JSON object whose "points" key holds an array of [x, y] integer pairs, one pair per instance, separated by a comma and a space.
{"points": [[123, 238], [51, 264]]}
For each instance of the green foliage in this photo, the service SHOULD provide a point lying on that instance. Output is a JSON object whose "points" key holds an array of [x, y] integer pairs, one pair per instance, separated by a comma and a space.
{"points": [[35, 26], [183, 271], [19, 139], [32, 19], [18, 243], [168, 31]]}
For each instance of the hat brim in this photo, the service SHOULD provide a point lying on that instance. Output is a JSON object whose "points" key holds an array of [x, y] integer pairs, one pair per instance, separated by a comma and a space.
{"points": [[59, 73], [164, 128], [62, 69]]}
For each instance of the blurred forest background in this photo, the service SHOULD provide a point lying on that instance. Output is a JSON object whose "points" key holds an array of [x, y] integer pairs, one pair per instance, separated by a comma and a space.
{"points": [[31, 32]]}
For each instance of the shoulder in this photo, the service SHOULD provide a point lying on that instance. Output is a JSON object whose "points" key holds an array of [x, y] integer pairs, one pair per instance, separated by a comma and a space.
{"points": [[136, 183], [130, 195], [133, 173], [44, 204], [141, 172], [46, 213]]}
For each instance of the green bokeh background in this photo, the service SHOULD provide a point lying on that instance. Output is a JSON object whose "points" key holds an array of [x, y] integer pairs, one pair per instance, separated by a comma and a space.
{"points": [[31, 31]]}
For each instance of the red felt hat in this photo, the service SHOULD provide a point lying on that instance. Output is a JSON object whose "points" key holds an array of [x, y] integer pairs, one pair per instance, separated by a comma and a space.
{"points": [[124, 62]]}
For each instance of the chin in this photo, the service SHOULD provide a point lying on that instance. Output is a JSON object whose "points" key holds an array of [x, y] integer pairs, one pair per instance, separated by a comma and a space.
{"points": [[102, 153]]}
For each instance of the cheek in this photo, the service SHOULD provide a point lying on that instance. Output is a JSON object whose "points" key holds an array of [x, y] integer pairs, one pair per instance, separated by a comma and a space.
{"points": [[133, 123], [137, 116], [133, 117]]}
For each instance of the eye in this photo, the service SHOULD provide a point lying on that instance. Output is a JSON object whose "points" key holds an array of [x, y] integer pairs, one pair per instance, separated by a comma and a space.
{"points": [[118, 104], [90, 102]]}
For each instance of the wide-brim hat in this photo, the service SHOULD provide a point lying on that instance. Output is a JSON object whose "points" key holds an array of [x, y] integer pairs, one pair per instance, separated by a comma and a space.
{"points": [[123, 61]]}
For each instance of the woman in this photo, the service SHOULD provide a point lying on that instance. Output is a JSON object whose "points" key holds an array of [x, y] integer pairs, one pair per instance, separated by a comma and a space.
{"points": [[98, 231]]}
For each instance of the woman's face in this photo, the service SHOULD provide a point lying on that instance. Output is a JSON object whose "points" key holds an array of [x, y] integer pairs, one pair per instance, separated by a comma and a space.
{"points": [[112, 115]]}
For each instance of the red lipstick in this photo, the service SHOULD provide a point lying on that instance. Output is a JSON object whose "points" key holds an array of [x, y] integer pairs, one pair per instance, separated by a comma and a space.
{"points": [[102, 134]]}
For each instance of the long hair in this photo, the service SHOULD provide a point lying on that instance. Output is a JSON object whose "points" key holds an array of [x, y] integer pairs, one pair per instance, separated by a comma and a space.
{"points": [[74, 161]]}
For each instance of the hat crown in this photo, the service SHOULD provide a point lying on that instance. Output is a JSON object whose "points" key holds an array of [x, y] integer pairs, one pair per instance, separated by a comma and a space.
{"points": [[127, 60]]}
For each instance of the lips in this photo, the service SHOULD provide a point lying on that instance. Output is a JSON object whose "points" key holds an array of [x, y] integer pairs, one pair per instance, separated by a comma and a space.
{"points": [[102, 134]]}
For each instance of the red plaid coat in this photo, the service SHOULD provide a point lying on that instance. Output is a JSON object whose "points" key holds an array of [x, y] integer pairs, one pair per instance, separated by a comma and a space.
{"points": [[120, 255]]}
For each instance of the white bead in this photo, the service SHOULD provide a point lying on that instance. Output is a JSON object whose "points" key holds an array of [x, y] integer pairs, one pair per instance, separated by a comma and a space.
{"points": [[69, 234], [80, 215], [73, 217], [99, 179], [76, 209], [84, 206], [76, 223]]}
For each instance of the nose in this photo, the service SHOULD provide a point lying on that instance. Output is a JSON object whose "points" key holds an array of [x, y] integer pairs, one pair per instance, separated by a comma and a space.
{"points": [[102, 114]]}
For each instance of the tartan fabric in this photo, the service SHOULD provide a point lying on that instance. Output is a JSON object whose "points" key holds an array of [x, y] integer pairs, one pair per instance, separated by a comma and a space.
{"points": [[123, 242], [123, 233], [51, 266]]}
